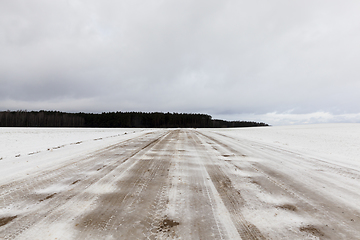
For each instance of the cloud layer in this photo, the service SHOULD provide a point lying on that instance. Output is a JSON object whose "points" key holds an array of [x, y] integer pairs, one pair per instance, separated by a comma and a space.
{"points": [[225, 58]]}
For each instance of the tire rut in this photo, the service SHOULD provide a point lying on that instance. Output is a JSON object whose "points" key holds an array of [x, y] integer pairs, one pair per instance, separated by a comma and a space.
{"points": [[32, 207], [331, 220], [231, 197], [121, 212]]}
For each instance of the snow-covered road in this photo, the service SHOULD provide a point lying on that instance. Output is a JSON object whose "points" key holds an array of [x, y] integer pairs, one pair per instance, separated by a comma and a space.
{"points": [[182, 184]]}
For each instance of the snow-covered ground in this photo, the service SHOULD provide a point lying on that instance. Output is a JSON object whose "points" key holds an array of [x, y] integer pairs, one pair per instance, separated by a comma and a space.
{"points": [[285, 182], [23, 150], [338, 143]]}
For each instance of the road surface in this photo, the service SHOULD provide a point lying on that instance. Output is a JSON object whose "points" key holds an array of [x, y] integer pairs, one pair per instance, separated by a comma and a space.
{"points": [[184, 184]]}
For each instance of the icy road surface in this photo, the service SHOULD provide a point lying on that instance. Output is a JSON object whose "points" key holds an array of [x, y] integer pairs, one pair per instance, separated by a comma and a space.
{"points": [[181, 184]]}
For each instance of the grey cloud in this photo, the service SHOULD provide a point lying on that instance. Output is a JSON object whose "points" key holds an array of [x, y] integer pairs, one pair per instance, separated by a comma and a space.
{"points": [[224, 58]]}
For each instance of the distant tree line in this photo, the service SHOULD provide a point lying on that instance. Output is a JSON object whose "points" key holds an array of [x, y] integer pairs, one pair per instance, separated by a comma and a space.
{"points": [[216, 123], [40, 119], [116, 120]]}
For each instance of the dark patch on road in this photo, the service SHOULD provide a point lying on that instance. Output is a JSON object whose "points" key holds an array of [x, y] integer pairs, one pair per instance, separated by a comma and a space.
{"points": [[312, 230], [228, 155], [75, 182], [48, 197], [289, 207], [6, 220], [166, 224], [255, 182], [100, 168]]}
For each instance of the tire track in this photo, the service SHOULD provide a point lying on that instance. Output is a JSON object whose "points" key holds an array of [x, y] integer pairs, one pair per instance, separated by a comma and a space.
{"points": [[44, 177], [231, 197], [202, 198], [32, 207], [330, 220], [327, 167], [174, 184], [124, 209]]}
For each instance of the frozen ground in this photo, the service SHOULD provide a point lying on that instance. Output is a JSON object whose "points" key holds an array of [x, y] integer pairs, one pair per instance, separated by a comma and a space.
{"points": [[339, 143], [23, 150], [24, 141], [294, 182]]}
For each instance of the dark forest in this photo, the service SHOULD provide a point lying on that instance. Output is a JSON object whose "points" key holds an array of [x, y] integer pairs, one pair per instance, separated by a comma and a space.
{"points": [[116, 120]]}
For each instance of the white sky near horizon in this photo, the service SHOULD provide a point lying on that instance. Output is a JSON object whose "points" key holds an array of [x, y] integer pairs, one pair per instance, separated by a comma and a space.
{"points": [[279, 62]]}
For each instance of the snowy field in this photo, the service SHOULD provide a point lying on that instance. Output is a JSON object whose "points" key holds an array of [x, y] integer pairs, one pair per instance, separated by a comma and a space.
{"points": [[338, 143], [23, 150], [285, 182]]}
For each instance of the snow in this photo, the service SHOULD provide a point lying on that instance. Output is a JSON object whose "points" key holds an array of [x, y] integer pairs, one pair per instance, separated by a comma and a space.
{"points": [[316, 165], [26, 150], [337, 143], [24, 141], [310, 168]]}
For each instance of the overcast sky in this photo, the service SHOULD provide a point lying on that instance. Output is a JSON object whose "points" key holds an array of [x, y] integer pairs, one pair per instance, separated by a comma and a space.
{"points": [[280, 62]]}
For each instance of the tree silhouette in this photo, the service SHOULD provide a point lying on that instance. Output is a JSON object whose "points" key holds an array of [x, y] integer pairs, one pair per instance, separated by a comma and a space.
{"points": [[23, 118]]}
